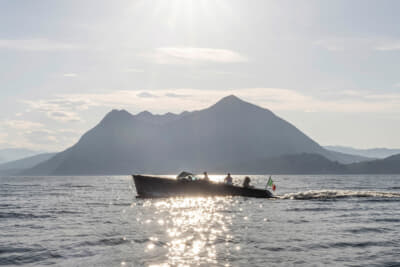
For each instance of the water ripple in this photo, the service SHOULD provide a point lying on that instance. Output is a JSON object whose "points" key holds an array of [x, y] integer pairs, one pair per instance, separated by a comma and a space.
{"points": [[97, 221]]}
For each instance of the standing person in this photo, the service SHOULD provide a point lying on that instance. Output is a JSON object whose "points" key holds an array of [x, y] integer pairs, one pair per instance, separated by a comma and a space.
{"points": [[206, 177], [228, 179]]}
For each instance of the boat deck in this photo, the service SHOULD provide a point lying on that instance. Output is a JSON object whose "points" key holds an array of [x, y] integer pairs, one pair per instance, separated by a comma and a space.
{"points": [[151, 187]]}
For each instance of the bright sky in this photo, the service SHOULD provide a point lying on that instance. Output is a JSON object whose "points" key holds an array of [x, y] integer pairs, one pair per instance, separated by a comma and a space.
{"points": [[329, 67]]}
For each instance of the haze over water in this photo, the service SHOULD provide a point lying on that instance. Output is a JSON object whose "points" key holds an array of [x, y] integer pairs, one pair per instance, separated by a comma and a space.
{"points": [[97, 221]]}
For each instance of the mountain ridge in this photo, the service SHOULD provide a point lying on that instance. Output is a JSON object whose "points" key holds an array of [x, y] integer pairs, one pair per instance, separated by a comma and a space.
{"points": [[228, 131], [16, 166], [372, 153], [11, 154]]}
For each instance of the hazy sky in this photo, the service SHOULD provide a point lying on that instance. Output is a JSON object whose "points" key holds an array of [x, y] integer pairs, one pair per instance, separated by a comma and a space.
{"points": [[332, 68]]}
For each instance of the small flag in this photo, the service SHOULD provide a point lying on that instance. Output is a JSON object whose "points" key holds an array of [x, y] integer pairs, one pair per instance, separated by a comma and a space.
{"points": [[270, 182]]}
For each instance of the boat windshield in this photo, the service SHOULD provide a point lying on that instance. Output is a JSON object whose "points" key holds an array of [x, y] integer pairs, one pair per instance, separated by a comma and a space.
{"points": [[187, 176]]}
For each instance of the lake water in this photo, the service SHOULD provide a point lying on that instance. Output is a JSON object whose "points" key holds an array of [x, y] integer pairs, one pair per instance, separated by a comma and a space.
{"points": [[97, 221]]}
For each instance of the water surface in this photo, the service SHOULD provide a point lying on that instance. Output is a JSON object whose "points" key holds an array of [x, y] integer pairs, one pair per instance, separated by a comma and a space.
{"points": [[97, 221]]}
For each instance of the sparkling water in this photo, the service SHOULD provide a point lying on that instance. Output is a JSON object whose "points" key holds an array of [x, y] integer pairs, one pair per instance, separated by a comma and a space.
{"points": [[97, 221]]}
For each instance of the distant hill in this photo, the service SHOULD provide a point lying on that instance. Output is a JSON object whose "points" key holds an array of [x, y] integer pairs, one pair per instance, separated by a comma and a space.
{"points": [[347, 158], [17, 166], [303, 163], [372, 153], [314, 164], [230, 131], [10, 154], [389, 165]]}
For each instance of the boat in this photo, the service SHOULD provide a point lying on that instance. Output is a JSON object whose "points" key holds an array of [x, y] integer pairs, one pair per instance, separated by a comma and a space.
{"points": [[187, 184]]}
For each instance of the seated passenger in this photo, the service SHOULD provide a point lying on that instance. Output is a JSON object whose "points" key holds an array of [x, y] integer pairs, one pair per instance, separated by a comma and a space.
{"points": [[228, 179], [246, 182], [206, 177]]}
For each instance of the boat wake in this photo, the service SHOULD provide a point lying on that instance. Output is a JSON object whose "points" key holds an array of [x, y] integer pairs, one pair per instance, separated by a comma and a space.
{"points": [[332, 194]]}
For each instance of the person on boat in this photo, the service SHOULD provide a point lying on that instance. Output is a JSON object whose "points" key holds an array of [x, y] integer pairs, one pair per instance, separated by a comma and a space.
{"points": [[206, 177], [228, 179], [246, 182]]}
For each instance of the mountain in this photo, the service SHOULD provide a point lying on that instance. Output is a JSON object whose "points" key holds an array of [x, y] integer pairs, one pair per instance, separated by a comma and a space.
{"points": [[346, 158], [16, 166], [10, 154], [229, 131], [377, 153], [304, 163], [389, 165]]}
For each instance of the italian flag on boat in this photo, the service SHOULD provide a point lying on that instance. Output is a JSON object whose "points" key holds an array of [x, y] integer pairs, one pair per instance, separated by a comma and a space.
{"points": [[271, 184]]}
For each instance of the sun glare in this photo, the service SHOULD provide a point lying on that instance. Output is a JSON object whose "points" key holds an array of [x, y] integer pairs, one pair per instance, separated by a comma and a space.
{"points": [[193, 226], [185, 12]]}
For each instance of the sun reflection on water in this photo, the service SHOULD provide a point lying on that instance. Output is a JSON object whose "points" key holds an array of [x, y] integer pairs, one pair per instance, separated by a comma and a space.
{"points": [[193, 229]]}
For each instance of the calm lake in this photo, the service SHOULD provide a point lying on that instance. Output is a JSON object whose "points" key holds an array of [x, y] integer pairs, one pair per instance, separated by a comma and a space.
{"points": [[97, 221]]}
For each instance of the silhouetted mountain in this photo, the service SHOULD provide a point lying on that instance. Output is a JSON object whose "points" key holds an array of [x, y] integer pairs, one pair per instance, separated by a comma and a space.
{"points": [[346, 158], [304, 163], [372, 153], [229, 131], [156, 119], [16, 166], [10, 154], [389, 165]]}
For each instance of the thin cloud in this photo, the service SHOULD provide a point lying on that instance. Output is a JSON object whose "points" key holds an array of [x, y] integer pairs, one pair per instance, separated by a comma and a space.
{"points": [[43, 137], [132, 70], [38, 45], [70, 74], [347, 43], [189, 55], [59, 103], [3, 137], [64, 116], [177, 100], [146, 95], [389, 46], [60, 109], [175, 95], [331, 45], [67, 108], [22, 124]]}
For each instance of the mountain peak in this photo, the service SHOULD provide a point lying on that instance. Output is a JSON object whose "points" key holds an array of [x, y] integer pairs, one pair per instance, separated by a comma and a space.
{"points": [[230, 99], [116, 115], [118, 111], [144, 114], [232, 103]]}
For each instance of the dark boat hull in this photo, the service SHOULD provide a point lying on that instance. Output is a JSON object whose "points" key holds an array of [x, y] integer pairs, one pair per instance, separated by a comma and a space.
{"points": [[152, 187]]}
